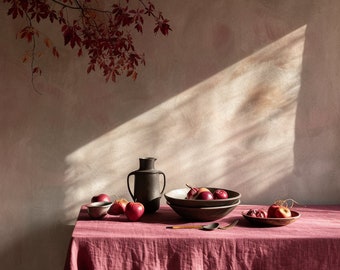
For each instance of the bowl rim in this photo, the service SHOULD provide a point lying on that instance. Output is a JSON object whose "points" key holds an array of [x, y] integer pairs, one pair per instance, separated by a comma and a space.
{"points": [[98, 204], [238, 196]]}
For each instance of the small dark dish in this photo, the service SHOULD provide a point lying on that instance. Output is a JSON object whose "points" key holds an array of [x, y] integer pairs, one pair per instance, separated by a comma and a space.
{"points": [[98, 210], [271, 222]]}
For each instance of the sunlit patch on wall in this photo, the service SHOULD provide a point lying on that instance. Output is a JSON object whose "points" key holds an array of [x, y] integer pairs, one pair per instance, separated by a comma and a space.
{"points": [[234, 129]]}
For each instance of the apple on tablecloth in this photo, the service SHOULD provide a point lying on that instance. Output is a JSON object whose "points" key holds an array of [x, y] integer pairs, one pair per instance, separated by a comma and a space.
{"points": [[118, 207], [134, 211], [101, 198]]}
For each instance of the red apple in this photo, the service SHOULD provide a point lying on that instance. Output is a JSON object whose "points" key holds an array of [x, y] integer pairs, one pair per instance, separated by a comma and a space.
{"points": [[220, 194], [261, 213], [204, 194], [101, 198], [191, 193], [272, 209], [118, 207], [134, 211], [282, 212], [252, 212]]}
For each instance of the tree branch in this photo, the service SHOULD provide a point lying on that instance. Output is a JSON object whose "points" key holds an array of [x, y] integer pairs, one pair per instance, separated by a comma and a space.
{"points": [[107, 40]]}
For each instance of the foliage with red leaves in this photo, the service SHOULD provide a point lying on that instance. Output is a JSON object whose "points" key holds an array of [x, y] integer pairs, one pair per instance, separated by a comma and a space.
{"points": [[104, 34]]}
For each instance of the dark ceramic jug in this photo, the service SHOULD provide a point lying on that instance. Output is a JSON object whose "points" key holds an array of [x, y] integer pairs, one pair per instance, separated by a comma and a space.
{"points": [[147, 185]]}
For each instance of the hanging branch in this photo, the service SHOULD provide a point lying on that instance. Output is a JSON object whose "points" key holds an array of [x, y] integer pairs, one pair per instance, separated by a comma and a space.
{"points": [[104, 35]]}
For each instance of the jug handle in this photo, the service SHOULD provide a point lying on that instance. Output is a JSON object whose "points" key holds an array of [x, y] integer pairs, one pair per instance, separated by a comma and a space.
{"points": [[164, 182], [128, 185]]}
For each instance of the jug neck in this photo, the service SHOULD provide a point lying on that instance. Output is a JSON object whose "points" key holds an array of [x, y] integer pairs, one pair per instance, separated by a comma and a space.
{"points": [[147, 163]]}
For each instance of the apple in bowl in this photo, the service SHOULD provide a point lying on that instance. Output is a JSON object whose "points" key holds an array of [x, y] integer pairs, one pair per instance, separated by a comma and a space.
{"points": [[274, 211], [220, 194], [279, 211], [203, 193], [260, 213], [192, 193], [184, 197]]}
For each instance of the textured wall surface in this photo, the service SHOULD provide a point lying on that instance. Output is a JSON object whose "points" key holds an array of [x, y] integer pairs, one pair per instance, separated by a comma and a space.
{"points": [[242, 95]]}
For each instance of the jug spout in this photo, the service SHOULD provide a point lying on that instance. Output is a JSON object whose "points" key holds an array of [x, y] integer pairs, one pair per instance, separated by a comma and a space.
{"points": [[147, 163]]}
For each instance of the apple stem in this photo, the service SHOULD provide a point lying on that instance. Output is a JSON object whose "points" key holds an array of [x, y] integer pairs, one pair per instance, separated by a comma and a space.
{"points": [[188, 186], [287, 202]]}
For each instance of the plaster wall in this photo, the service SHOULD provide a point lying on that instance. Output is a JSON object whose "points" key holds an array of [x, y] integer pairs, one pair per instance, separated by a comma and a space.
{"points": [[241, 94]]}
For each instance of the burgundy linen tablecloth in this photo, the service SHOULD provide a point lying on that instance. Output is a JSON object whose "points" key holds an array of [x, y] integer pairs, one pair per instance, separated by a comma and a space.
{"points": [[312, 242]]}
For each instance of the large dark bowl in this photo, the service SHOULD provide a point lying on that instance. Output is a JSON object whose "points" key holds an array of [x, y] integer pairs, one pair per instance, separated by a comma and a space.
{"points": [[204, 213], [178, 197]]}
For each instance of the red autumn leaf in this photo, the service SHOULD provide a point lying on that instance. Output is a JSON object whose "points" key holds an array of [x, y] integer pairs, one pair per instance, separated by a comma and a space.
{"points": [[25, 58], [80, 52], [134, 75], [53, 16], [36, 70], [165, 28], [55, 52], [67, 36], [91, 67], [27, 33], [150, 9], [139, 28], [47, 42]]}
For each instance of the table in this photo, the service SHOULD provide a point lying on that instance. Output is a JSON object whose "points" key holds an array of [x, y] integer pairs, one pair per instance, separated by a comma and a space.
{"points": [[312, 242]]}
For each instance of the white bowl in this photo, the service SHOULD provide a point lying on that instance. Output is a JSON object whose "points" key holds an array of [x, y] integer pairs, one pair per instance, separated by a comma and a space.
{"points": [[98, 210]]}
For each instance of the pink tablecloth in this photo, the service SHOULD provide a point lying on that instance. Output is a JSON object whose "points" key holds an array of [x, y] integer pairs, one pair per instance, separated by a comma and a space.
{"points": [[312, 242]]}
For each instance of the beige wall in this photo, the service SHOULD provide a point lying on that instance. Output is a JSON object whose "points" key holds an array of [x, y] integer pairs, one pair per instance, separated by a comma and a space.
{"points": [[242, 95]]}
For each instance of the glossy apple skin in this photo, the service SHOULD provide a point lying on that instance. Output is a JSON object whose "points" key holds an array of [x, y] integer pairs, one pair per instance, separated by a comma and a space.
{"points": [[278, 211], [282, 212], [220, 194], [100, 198], [134, 211], [272, 209], [204, 194], [118, 207], [192, 193]]}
